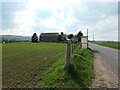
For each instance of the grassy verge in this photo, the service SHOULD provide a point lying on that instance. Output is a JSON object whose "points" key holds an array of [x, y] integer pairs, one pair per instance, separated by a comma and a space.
{"points": [[114, 45], [79, 76]]}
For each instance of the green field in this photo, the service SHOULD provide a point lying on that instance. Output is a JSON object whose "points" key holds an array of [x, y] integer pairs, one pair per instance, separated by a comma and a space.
{"points": [[41, 65], [110, 44], [24, 63]]}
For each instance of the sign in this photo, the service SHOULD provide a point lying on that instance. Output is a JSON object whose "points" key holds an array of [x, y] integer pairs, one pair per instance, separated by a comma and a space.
{"points": [[84, 41]]}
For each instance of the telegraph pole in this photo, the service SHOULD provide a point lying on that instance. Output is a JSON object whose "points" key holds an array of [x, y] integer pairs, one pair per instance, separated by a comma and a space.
{"points": [[87, 32], [93, 36], [87, 38]]}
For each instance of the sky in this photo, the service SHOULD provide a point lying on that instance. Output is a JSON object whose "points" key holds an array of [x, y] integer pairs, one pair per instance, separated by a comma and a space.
{"points": [[68, 16]]}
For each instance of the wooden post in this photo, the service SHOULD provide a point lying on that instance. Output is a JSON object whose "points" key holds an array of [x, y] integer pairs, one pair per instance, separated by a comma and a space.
{"points": [[67, 56], [72, 49]]}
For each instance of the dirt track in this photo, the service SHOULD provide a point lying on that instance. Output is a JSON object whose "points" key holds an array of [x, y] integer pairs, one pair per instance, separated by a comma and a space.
{"points": [[104, 78]]}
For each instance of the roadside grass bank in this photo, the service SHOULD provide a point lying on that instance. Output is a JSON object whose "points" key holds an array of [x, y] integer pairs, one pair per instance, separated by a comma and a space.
{"points": [[115, 45], [80, 72]]}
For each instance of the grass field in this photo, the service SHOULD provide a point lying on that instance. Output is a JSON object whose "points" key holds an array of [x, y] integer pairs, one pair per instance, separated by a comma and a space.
{"points": [[109, 44], [24, 63], [41, 65]]}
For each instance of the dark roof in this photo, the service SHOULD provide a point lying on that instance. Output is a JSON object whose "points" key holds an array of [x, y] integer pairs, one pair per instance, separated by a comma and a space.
{"points": [[49, 34]]}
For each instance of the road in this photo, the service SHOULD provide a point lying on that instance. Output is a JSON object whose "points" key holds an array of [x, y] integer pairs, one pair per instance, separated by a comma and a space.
{"points": [[108, 56]]}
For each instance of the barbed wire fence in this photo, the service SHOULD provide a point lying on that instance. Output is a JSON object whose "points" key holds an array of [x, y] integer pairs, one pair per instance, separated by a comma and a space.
{"points": [[70, 49], [74, 47]]}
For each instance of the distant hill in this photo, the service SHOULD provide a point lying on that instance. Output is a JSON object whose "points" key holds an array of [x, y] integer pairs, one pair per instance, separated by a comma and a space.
{"points": [[16, 37]]}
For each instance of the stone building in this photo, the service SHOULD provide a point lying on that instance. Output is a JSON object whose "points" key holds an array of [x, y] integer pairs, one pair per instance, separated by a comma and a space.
{"points": [[49, 37]]}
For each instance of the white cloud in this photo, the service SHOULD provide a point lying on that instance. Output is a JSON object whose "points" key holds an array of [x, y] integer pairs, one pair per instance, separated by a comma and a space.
{"points": [[61, 20], [25, 19], [106, 29], [50, 4]]}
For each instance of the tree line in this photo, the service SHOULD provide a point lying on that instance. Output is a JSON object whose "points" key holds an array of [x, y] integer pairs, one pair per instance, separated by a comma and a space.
{"points": [[7, 40]]}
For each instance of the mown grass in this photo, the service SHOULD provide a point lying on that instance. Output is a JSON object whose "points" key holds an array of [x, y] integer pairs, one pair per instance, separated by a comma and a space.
{"points": [[115, 45], [24, 63], [79, 75]]}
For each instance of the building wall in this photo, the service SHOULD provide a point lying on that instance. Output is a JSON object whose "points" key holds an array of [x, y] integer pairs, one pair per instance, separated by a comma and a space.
{"points": [[84, 46], [49, 38], [84, 41]]}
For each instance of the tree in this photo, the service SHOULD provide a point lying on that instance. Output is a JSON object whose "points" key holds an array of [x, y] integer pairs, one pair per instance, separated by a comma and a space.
{"points": [[79, 36], [70, 36], [62, 33], [34, 38], [62, 37]]}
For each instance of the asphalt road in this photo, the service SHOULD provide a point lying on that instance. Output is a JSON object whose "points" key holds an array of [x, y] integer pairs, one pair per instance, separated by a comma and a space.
{"points": [[108, 56]]}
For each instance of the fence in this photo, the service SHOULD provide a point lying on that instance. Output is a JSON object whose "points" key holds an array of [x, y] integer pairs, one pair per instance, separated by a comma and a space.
{"points": [[70, 48], [74, 47]]}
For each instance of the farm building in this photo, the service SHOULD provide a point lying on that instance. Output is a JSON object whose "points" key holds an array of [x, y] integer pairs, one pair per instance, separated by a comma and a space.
{"points": [[49, 37]]}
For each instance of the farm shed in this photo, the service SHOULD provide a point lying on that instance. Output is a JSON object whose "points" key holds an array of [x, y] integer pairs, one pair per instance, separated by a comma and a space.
{"points": [[49, 37]]}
